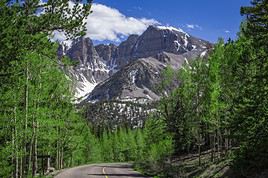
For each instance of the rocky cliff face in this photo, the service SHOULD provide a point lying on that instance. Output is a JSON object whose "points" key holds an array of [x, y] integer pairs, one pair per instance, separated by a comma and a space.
{"points": [[166, 39], [125, 50], [90, 68], [109, 54], [136, 80], [91, 65], [132, 69]]}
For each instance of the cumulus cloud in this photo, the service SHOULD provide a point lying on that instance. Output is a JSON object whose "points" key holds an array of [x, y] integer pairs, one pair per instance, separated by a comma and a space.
{"points": [[227, 31], [193, 26], [106, 23]]}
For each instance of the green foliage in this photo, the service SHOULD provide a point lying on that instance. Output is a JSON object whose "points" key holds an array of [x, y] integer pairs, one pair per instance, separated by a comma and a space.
{"points": [[158, 147], [210, 104], [221, 102], [122, 145], [158, 143], [257, 22], [37, 116]]}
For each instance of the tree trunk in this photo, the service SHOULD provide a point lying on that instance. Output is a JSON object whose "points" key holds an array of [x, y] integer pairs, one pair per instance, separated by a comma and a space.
{"points": [[26, 100], [17, 164], [35, 127], [199, 154], [48, 162], [30, 158], [21, 167], [58, 152], [61, 160], [34, 158], [218, 144], [226, 141], [15, 146], [213, 147]]}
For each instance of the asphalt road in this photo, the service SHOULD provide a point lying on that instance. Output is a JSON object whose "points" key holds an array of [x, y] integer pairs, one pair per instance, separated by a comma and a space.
{"points": [[115, 170]]}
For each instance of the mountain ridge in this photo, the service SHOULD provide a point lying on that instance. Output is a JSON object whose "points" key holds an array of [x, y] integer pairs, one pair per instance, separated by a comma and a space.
{"points": [[152, 51]]}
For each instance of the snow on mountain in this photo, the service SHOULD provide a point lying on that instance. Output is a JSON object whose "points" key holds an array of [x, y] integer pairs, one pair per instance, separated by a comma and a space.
{"points": [[171, 29], [85, 88], [132, 69], [132, 76], [178, 45], [203, 54]]}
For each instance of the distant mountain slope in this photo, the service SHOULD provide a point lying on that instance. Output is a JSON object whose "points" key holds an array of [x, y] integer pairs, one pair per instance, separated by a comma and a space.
{"points": [[132, 69]]}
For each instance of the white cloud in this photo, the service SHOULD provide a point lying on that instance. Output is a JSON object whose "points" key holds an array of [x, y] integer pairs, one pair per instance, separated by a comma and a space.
{"points": [[106, 23], [227, 31], [193, 26], [190, 26]]}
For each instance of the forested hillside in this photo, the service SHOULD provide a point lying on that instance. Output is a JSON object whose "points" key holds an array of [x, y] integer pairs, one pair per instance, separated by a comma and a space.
{"points": [[212, 123]]}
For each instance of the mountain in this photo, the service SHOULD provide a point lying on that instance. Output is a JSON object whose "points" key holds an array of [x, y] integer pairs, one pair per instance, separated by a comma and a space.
{"points": [[131, 70], [90, 69], [169, 39]]}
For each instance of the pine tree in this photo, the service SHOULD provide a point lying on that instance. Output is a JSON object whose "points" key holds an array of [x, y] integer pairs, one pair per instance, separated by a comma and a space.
{"points": [[256, 22]]}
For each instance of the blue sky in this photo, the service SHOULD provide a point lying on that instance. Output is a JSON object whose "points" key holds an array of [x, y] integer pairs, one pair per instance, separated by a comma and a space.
{"points": [[207, 19]]}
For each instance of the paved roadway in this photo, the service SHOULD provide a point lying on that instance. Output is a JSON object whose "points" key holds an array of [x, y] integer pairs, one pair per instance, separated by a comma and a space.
{"points": [[113, 170]]}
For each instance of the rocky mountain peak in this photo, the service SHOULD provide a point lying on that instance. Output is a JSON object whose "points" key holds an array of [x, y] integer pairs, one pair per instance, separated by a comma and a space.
{"points": [[132, 68], [107, 52], [83, 50], [91, 68], [158, 39]]}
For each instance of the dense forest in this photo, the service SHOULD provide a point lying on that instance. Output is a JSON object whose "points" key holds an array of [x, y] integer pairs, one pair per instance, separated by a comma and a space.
{"points": [[217, 114]]}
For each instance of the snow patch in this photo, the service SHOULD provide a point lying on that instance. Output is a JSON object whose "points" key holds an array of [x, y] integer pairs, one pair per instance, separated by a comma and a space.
{"points": [[178, 45], [132, 76], [86, 87], [172, 29], [203, 53], [185, 39], [149, 97], [112, 66]]}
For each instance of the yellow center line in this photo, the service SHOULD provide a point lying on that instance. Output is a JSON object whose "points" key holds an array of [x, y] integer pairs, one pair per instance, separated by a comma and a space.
{"points": [[103, 171]]}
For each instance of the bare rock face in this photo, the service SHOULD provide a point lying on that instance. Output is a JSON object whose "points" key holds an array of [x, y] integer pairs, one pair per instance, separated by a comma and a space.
{"points": [[132, 69], [136, 80], [90, 62], [118, 85], [90, 70], [83, 51], [117, 56], [166, 39], [139, 79], [107, 52], [141, 60], [125, 51]]}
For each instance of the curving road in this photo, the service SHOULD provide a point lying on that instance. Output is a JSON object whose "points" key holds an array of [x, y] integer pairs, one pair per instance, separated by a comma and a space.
{"points": [[113, 170]]}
